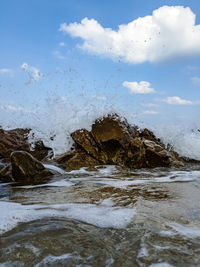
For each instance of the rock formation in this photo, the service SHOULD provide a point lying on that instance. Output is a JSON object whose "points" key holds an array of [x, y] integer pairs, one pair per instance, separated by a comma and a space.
{"points": [[17, 139], [113, 141], [26, 169]]}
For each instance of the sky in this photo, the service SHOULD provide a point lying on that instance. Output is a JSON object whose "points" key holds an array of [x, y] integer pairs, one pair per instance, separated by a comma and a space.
{"points": [[141, 56]]}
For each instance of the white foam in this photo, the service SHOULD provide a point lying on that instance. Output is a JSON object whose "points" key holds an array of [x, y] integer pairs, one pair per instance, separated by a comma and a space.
{"points": [[161, 264], [179, 176], [54, 168], [161, 247], [167, 233], [98, 215], [53, 121], [143, 252], [187, 231], [121, 183], [61, 183], [50, 259], [107, 169], [182, 138], [171, 177]]}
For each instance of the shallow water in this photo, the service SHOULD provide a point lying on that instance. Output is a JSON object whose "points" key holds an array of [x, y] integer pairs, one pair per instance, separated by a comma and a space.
{"points": [[103, 217]]}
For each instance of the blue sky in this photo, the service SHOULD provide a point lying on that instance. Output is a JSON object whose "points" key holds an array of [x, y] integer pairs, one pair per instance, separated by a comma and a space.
{"points": [[150, 67]]}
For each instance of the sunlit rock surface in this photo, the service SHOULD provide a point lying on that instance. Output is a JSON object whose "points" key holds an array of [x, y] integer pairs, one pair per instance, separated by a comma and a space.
{"points": [[114, 141]]}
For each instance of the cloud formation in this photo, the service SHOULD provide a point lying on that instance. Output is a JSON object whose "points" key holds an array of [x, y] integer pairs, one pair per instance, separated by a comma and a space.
{"points": [[176, 100], [139, 87], [169, 32], [34, 73]]}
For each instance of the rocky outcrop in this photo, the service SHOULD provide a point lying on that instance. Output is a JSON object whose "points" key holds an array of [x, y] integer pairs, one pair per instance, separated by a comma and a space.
{"points": [[28, 170], [114, 141], [17, 139], [111, 141]]}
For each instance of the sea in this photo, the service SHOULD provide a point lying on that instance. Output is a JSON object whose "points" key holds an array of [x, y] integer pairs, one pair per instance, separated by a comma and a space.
{"points": [[107, 216]]}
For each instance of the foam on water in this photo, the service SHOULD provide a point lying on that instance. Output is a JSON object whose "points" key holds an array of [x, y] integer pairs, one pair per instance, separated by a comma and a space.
{"points": [[187, 231], [173, 176], [61, 183], [104, 215], [54, 168], [53, 260], [161, 264]]}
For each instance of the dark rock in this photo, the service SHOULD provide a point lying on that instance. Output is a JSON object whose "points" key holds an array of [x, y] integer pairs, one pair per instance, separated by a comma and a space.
{"points": [[28, 170], [17, 139], [6, 172], [114, 141]]}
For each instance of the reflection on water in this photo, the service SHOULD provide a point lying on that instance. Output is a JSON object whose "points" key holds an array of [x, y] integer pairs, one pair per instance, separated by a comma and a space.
{"points": [[103, 217]]}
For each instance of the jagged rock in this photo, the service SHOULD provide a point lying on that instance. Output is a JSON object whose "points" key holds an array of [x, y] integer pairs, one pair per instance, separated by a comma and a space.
{"points": [[28, 170], [114, 141], [17, 139]]}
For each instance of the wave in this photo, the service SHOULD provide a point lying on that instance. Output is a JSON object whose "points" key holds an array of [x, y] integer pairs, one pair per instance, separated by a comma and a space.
{"points": [[58, 117]]}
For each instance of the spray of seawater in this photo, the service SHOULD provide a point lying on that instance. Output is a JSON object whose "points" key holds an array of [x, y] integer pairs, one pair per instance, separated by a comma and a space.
{"points": [[55, 118]]}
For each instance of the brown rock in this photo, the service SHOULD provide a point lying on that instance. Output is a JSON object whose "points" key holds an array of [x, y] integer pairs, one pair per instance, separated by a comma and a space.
{"points": [[108, 128], [28, 170], [6, 172], [17, 139], [114, 141], [86, 142]]}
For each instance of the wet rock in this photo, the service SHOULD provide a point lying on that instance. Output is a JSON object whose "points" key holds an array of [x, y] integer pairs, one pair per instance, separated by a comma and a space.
{"points": [[78, 160], [114, 141], [17, 139], [28, 170], [6, 172]]}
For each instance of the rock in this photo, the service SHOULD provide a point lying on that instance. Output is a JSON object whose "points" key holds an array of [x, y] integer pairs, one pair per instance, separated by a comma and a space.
{"points": [[114, 141], [28, 170], [17, 139], [108, 128], [6, 172], [76, 160]]}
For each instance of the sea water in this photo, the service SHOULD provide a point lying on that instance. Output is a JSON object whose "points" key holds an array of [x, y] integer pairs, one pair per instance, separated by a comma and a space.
{"points": [[105, 217], [109, 216]]}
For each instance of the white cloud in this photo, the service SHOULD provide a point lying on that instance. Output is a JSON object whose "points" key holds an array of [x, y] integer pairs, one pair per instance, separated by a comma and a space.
{"points": [[139, 87], [6, 71], [61, 44], [150, 112], [169, 32], [196, 80], [34, 73], [176, 100]]}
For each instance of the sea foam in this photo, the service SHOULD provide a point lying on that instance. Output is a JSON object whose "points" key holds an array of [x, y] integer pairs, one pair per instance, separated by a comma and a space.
{"points": [[103, 215]]}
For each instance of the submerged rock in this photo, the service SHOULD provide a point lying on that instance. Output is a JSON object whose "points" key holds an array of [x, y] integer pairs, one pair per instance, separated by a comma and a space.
{"points": [[28, 170], [114, 141]]}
